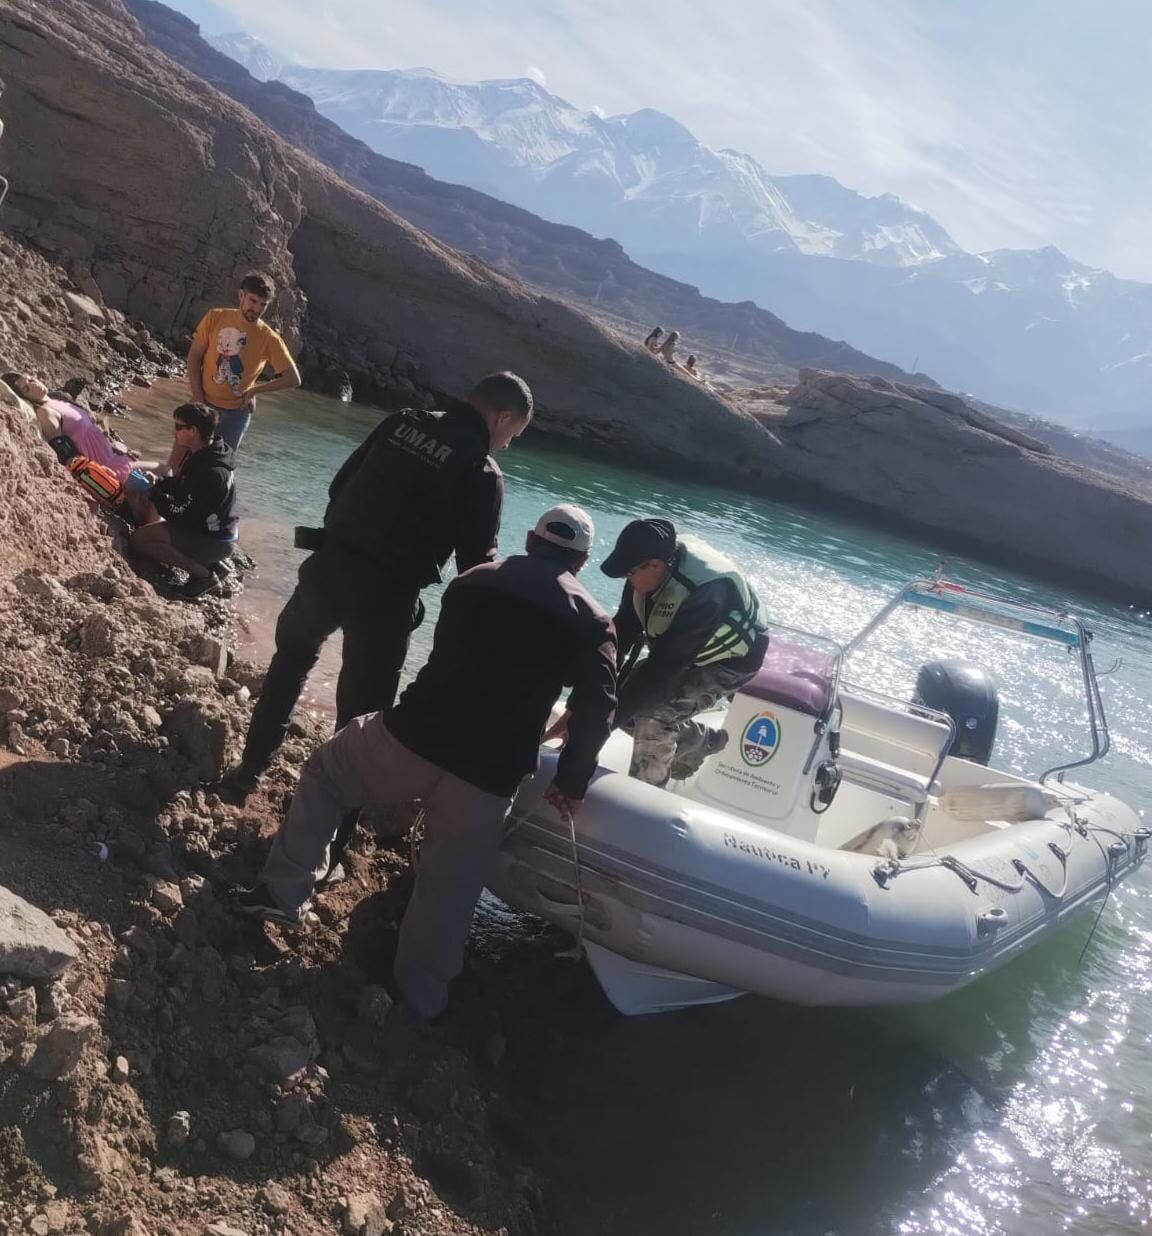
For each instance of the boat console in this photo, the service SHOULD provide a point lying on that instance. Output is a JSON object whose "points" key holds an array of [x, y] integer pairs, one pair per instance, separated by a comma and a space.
{"points": [[780, 742]]}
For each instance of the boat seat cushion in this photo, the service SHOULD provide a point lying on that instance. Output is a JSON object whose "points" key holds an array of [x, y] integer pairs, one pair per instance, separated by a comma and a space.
{"points": [[794, 677]]}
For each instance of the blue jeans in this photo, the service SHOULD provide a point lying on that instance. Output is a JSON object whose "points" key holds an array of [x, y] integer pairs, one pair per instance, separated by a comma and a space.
{"points": [[233, 425]]}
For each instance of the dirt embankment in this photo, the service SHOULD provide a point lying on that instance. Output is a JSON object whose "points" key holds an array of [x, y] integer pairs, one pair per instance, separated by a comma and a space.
{"points": [[192, 1075]]}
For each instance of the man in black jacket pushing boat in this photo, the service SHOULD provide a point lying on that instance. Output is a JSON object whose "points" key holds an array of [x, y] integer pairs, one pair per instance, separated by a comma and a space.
{"points": [[701, 621], [510, 636]]}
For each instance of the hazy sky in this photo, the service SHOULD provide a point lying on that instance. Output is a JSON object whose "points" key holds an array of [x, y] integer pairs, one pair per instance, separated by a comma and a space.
{"points": [[1014, 122]]}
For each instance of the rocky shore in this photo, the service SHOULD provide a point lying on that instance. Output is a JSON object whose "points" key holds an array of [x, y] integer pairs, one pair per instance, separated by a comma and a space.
{"points": [[162, 1069]]}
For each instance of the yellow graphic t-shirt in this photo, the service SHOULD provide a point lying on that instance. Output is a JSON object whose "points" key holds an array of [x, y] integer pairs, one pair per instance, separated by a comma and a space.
{"points": [[235, 353]]}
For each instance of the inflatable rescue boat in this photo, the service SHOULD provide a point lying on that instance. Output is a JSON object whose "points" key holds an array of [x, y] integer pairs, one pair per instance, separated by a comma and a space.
{"points": [[846, 847]]}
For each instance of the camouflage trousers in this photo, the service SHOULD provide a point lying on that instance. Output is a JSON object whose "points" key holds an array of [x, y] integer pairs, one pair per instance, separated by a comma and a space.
{"points": [[666, 740]]}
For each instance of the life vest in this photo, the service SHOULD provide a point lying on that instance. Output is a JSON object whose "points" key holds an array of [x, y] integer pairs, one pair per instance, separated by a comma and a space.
{"points": [[697, 563], [98, 481]]}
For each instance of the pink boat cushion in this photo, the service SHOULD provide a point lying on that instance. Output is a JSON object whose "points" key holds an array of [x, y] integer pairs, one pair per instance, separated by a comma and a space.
{"points": [[794, 677]]}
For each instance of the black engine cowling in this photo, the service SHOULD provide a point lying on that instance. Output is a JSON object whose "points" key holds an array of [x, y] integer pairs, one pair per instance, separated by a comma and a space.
{"points": [[969, 696]]}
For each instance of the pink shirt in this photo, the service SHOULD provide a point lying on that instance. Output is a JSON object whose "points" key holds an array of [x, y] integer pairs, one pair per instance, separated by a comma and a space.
{"points": [[87, 437]]}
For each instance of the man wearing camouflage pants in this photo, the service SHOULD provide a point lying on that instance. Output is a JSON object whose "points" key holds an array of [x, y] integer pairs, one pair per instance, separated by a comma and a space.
{"points": [[700, 618]]}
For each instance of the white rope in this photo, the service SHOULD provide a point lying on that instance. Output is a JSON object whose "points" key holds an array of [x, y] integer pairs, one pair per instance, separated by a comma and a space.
{"points": [[577, 949]]}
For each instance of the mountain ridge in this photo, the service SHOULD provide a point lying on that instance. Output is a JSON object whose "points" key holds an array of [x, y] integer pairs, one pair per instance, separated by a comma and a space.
{"points": [[1031, 329]]}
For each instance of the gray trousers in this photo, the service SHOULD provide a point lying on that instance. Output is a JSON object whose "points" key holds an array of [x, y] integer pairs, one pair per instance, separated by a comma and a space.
{"points": [[666, 731], [463, 827]]}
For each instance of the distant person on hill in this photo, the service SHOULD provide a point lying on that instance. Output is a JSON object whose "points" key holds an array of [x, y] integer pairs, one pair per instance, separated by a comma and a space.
{"points": [[668, 347], [196, 525], [421, 487], [691, 370], [229, 352], [465, 733], [652, 343]]}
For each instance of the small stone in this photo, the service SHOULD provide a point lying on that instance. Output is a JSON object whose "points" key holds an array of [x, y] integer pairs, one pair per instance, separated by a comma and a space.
{"points": [[298, 1022], [124, 1225], [374, 1005], [179, 1129], [59, 1051], [140, 940], [119, 991], [38, 1224], [274, 1199], [237, 1144], [54, 1001], [83, 306], [57, 1216], [281, 1057], [221, 1228], [290, 1112], [365, 1216], [166, 897], [22, 1009], [213, 654], [150, 718], [120, 1071], [311, 1134]]}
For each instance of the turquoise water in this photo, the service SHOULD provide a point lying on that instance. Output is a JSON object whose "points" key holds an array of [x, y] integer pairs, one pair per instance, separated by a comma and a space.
{"points": [[1018, 1106]]}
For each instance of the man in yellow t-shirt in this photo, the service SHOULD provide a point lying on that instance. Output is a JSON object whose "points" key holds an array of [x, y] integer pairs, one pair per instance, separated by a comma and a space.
{"points": [[229, 352]]}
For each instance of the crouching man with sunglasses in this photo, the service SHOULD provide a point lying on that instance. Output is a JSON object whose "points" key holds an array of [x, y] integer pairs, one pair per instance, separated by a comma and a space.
{"points": [[196, 522]]}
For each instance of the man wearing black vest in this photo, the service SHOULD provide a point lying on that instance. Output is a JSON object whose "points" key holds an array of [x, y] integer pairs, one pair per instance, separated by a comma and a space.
{"points": [[421, 487]]}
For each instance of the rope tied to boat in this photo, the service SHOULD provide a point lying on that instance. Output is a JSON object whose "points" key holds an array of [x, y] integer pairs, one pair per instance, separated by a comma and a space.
{"points": [[577, 949]]}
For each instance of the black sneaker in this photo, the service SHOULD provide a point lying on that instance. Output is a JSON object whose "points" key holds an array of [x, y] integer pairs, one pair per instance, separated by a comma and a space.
{"points": [[196, 587], [259, 903], [241, 779]]}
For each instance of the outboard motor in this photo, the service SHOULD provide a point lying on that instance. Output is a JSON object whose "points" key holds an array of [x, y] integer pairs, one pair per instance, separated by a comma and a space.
{"points": [[969, 696]]}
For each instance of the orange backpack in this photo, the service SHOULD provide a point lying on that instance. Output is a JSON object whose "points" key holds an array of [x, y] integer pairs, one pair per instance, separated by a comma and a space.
{"points": [[100, 482]]}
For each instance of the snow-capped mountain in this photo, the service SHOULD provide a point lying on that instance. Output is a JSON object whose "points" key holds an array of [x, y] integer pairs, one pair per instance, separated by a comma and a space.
{"points": [[1027, 328], [246, 49], [641, 178]]}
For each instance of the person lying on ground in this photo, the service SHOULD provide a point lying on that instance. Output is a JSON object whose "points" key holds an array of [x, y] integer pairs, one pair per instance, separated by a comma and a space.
{"points": [[230, 350], [511, 635], [668, 347], [652, 343], [58, 416], [196, 522]]}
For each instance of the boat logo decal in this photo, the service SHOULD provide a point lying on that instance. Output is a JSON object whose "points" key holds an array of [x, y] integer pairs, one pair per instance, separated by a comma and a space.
{"points": [[761, 739]]}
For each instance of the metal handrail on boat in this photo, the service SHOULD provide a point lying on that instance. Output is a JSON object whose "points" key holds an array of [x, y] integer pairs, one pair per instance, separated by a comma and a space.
{"points": [[1022, 617]]}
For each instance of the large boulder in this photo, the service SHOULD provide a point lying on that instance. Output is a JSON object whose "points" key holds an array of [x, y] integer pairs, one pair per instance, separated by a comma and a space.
{"points": [[934, 461]]}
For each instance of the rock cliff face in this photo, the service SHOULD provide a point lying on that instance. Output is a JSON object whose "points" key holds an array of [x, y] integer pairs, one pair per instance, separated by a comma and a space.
{"points": [[162, 191], [932, 459]]}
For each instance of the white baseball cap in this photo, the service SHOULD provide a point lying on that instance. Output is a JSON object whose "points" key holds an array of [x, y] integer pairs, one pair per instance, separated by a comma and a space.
{"points": [[567, 526]]}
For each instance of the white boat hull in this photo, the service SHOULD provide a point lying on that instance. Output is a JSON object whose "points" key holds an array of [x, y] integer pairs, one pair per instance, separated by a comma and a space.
{"points": [[684, 903]]}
